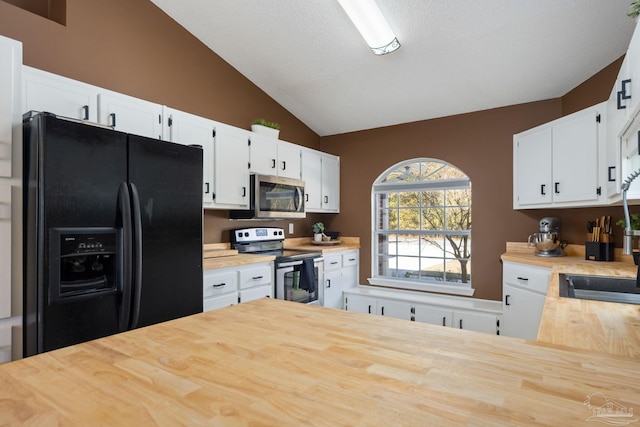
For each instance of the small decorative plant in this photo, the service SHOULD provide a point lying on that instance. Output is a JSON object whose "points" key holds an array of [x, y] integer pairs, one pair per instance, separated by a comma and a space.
{"points": [[318, 228], [635, 9], [635, 222], [265, 123]]}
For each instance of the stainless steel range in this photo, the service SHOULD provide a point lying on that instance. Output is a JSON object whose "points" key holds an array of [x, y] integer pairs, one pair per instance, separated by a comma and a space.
{"points": [[299, 275]]}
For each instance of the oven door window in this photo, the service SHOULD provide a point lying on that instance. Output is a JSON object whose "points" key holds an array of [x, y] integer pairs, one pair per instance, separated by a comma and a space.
{"points": [[297, 286]]}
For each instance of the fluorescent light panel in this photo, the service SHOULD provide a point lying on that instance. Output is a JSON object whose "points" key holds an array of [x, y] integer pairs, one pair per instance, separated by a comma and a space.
{"points": [[368, 19]]}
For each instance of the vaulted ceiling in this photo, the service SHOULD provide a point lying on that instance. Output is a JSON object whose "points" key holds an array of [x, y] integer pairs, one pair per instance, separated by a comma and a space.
{"points": [[457, 56]]}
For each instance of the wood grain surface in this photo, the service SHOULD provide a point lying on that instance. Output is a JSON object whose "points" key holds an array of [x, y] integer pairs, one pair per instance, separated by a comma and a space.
{"points": [[278, 363]]}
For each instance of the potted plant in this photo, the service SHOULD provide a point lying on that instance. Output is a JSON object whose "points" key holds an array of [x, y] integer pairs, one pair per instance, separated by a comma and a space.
{"points": [[635, 9], [265, 127], [318, 231]]}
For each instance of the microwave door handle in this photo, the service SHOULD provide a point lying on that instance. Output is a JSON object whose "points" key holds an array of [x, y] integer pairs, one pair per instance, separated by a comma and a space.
{"points": [[299, 202]]}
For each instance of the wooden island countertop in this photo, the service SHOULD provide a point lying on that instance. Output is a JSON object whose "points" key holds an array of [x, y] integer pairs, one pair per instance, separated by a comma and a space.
{"points": [[277, 363]]}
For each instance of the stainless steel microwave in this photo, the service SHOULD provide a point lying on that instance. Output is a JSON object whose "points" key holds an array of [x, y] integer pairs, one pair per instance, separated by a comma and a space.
{"points": [[273, 197]]}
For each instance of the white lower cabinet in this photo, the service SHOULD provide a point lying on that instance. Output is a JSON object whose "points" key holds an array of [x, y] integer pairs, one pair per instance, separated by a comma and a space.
{"points": [[462, 313], [340, 273], [524, 290], [227, 286]]}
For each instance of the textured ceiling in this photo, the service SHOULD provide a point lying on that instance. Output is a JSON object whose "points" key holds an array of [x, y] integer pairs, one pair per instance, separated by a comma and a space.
{"points": [[457, 56]]}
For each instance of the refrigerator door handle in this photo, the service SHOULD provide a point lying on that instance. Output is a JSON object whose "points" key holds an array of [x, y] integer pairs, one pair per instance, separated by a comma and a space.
{"points": [[137, 255], [124, 210]]}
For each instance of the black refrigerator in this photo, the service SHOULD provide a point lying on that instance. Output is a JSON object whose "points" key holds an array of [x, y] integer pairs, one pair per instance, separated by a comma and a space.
{"points": [[112, 231]]}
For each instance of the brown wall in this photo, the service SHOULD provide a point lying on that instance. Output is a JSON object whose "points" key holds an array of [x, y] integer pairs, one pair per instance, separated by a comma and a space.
{"points": [[481, 144], [131, 46]]}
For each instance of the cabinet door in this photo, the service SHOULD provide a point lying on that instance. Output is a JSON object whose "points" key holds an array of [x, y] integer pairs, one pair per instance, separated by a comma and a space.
{"points": [[258, 292], [575, 158], [231, 167], [360, 303], [128, 114], [632, 89], [532, 167], [522, 312], [332, 289], [289, 160], [263, 153], [10, 102], [256, 276], [42, 91], [474, 321], [615, 121], [5, 250], [330, 183], [395, 309], [312, 177], [433, 315], [188, 129]]}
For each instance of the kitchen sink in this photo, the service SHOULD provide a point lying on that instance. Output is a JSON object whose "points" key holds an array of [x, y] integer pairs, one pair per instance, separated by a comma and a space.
{"points": [[600, 288]]}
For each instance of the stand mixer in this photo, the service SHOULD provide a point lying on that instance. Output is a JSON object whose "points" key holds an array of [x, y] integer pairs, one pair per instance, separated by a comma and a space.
{"points": [[547, 242]]}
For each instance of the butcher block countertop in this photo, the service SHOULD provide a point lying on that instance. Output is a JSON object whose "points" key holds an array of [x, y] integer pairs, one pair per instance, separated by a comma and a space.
{"points": [[592, 325], [276, 363]]}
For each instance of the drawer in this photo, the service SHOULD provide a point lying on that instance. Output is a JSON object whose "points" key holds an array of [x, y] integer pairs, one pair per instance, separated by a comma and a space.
{"points": [[219, 283], [526, 276], [256, 277], [221, 301], [332, 261], [350, 259]]}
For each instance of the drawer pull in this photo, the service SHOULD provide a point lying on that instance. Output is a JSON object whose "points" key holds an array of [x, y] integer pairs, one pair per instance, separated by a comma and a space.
{"points": [[257, 277], [444, 320], [352, 259], [506, 300], [522, 278], [333, 263], [219, 285]]}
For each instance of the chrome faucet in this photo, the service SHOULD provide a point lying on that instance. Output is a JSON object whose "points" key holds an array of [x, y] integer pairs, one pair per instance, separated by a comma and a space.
{"points": [[627, 243]]}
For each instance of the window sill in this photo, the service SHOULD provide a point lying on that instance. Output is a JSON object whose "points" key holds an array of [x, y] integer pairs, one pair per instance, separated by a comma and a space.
{"points": [[464, 290]]}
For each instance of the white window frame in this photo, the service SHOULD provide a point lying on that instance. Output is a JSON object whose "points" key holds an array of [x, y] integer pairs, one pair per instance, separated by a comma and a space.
{"points": [[454, 288]]}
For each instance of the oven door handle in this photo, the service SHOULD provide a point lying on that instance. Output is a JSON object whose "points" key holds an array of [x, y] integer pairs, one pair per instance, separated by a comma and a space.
{"points": [[288, 264]]}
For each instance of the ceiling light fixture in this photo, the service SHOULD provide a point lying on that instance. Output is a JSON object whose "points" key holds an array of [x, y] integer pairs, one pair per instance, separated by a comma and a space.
{"points": [[375, 30]]}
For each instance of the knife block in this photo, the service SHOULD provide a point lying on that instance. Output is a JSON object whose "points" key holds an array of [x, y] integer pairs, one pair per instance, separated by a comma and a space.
{"points": [[599, 251]]}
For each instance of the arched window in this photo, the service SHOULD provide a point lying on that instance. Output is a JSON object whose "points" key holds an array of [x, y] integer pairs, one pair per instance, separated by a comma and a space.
{"points": [[422, 227]]}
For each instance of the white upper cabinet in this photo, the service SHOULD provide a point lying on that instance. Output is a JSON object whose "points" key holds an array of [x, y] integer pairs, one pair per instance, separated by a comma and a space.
{"points": [[231, 167], [557, 164], [128, 114], [10, 100], [188, 129], [43, 91], [270, 156], [321, 175]]}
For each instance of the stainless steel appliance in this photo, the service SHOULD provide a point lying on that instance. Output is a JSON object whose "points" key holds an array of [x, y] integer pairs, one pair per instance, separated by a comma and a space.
{"points": [[298, 275], [547, 242], [112, 232], [273, 197]]}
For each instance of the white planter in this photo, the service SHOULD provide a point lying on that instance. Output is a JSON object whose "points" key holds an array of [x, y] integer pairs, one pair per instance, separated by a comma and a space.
{"points": [[264, 130], [317, 237]]}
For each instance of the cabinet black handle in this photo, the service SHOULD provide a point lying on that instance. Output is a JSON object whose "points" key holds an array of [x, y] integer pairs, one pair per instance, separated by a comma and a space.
{"points": [[369, 308], [413, 310], [326, 199], [244, 191], [506, 300], [444, 320], [113, 119], [85, 109], [460, 323], [273, 163], [624, 93], [609, 170], [329, 285], [219, 285], [542, 190], [555, 187], [522, 278], [382, 311], [284, 165], [257, 277], [306, 197], [352, 259], [206, 186], [619, 102], [334, 262]]}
